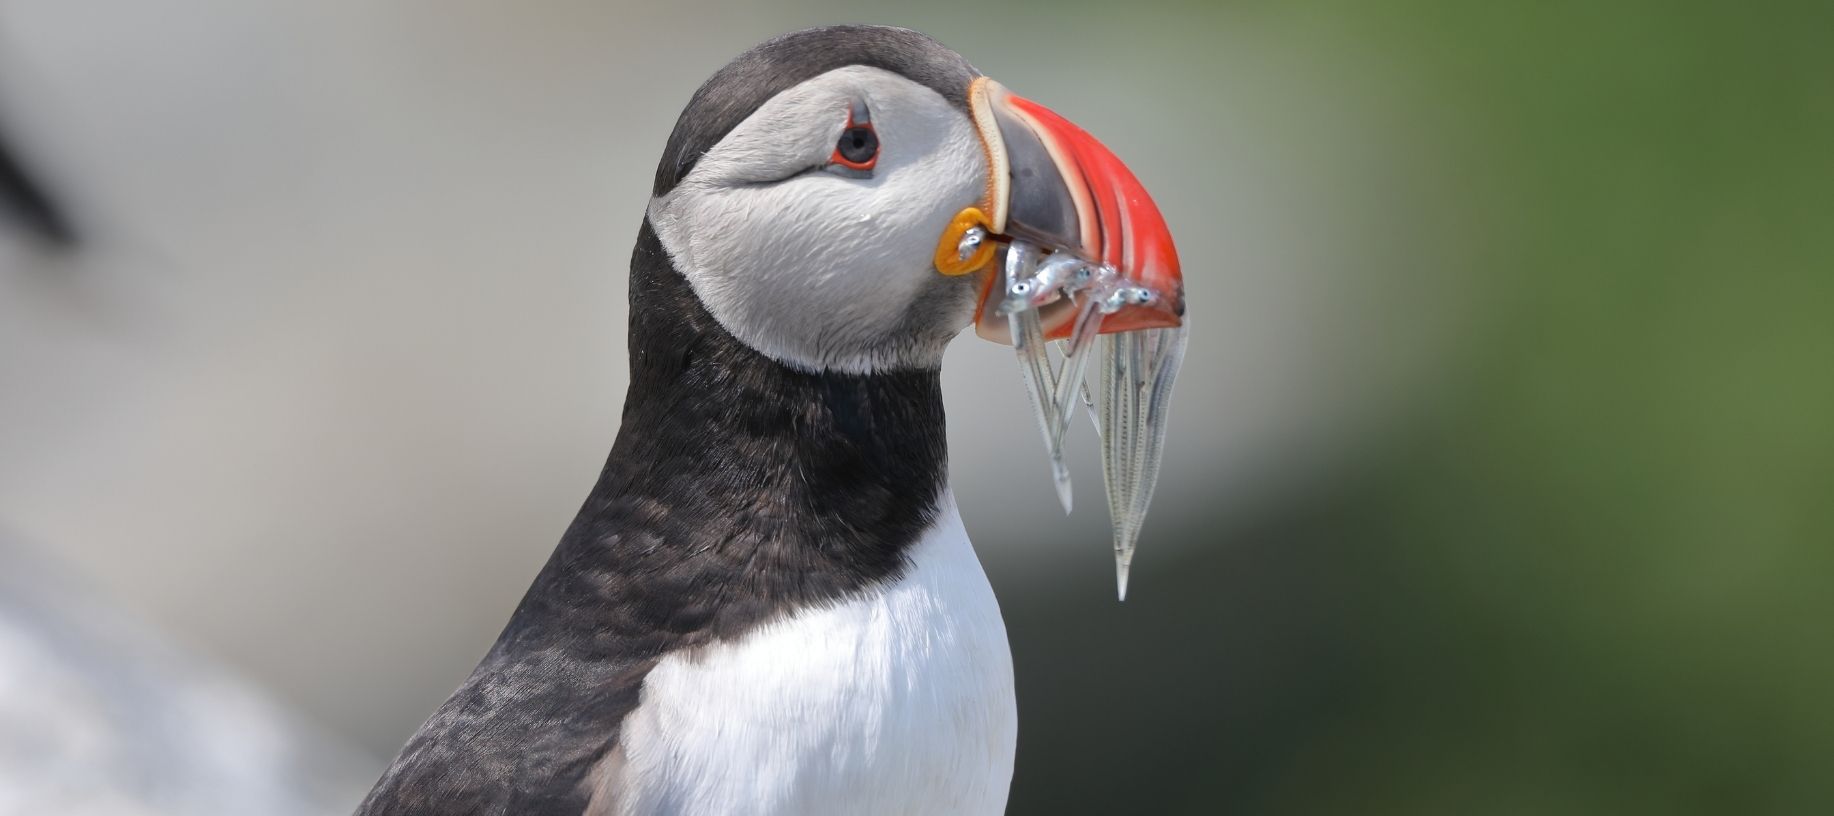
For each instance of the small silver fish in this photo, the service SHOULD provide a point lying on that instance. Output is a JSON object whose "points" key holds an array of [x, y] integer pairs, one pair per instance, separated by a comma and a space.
{"points": [[1139, 367], [1073, 249]]}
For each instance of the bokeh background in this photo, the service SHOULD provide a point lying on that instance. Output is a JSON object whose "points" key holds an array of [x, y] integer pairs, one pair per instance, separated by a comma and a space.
{"points": [[1502, 474]]}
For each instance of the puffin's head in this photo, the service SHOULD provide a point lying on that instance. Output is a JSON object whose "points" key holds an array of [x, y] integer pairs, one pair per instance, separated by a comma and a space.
{"points": [[816, 193]]}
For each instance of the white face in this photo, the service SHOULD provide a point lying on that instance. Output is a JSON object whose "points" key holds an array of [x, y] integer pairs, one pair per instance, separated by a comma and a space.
{"points": [[819, 266]]}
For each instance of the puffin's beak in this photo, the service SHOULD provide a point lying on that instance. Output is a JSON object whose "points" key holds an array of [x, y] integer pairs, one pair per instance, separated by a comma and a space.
{"points": [[1052, 185], [1072, 248]]}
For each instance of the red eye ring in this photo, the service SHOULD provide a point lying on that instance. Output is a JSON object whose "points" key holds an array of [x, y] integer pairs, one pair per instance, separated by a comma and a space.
{"points": [[858, 147]]}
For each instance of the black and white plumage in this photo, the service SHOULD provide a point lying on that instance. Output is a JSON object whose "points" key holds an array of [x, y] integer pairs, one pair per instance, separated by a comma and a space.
{"points": [[768, 604], [738, 492]]}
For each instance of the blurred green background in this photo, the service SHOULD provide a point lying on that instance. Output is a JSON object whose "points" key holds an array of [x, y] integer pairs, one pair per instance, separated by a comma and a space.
{"points": [[1508, 476], [1590, 575]]}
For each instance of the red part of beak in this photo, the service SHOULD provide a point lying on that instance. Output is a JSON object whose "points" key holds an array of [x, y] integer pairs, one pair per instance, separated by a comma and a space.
{"points": [[1056, 185]]}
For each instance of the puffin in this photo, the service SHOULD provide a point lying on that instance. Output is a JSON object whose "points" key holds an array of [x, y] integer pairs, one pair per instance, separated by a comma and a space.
{"points": [[768, 603]]}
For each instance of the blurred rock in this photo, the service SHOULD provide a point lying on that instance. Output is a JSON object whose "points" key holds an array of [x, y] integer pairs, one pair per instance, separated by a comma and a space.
{"points": [[101, 714]]}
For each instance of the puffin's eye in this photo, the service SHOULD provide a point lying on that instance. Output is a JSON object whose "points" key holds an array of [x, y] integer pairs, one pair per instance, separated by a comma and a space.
{"points": [[858, 149]]}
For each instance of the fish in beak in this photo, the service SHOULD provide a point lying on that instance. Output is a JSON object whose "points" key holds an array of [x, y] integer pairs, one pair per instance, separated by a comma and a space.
{"points": [[1074, 250]]}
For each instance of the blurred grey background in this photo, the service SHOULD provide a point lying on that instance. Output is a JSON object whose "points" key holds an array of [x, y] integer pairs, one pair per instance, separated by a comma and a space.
{"points": [[1500, 464]]}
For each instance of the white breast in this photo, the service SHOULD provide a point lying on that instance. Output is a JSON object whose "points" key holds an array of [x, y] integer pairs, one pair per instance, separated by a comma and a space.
{"points": [[898, 701]]}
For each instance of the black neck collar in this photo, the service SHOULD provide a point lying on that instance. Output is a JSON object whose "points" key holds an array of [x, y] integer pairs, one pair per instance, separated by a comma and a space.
{"points": [[739, 488], [739, 491]]}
